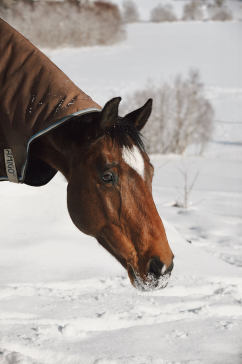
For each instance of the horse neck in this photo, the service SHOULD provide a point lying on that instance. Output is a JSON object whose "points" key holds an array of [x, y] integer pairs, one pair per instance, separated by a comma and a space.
{"points": [[62, 146], [54, 150]]}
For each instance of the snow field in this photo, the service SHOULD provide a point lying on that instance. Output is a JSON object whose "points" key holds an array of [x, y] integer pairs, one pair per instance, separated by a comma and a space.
{"points": [[85, 310], [77, 324]]}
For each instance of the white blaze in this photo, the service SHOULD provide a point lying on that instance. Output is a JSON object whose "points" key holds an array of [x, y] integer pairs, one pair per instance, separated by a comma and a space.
{"points": [[134, 159]]}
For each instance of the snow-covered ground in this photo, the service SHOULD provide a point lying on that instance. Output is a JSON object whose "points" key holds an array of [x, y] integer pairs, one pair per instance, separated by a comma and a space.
{"points": [[63, 299]]}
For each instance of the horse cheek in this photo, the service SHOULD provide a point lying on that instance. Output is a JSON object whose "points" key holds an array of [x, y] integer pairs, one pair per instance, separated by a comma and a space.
{"points": [[80, 209]]}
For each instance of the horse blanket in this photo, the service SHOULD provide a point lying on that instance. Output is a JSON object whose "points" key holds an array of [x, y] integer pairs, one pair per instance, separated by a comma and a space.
{"points": [[35, 97]]}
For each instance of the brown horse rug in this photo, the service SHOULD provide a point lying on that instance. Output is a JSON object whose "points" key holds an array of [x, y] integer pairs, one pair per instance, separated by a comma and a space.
{"points": [[35, 97]]}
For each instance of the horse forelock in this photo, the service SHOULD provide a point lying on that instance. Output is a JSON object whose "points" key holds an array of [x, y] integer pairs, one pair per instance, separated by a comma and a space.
{"points": [[125, 134], [122, 133]]}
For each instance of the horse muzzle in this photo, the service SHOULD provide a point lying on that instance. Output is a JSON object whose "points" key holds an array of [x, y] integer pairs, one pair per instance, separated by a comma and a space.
{"points": [[156, 277]]}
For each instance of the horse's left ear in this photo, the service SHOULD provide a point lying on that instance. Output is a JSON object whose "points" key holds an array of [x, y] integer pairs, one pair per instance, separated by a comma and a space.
{"points": [[140, 116], [109, 114]]}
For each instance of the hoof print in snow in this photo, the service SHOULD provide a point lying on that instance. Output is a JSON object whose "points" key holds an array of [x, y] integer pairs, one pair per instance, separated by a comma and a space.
{"points": [[100, 314], [60, 328]]}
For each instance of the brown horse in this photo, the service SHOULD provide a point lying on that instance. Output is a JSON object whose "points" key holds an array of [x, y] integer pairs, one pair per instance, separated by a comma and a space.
{"points": [[109, 192], [47, 124]]}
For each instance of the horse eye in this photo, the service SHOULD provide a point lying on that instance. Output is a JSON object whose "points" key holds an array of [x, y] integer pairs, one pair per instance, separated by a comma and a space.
{"points": [[107, 177]]}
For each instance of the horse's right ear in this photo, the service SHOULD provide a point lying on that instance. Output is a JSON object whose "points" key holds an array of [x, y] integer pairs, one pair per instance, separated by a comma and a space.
{"points": [[109, 113]]}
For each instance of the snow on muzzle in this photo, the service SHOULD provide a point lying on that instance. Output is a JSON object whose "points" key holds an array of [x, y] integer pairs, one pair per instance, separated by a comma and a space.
{"points": [[157, 276]]}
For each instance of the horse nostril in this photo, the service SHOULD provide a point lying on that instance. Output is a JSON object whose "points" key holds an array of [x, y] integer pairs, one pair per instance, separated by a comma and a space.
{"points": [[169, 269], [156, 267]]}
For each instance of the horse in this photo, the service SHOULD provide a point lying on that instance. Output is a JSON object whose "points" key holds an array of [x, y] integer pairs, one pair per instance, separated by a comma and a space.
{"points": [[47, 124]]}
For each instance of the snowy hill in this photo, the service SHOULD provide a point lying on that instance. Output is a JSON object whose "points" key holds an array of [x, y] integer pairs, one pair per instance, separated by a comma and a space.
{"points": [[59, 306]]}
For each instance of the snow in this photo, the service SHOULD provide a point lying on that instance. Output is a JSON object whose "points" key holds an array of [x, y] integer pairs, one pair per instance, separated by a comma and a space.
{"points": [[63, 298], [169, 49]]}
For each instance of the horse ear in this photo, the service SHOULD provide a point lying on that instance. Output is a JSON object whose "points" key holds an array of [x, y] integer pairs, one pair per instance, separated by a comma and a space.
{"points": [[140, 116], [109, 114]]}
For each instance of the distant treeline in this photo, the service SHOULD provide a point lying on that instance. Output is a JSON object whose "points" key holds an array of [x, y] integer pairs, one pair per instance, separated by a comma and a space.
{"points": [[64, 23], [201, 10]]}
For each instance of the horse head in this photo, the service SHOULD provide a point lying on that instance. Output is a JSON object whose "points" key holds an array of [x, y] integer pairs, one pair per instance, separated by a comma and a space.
{"points": [[109, 195], [52, 125]]}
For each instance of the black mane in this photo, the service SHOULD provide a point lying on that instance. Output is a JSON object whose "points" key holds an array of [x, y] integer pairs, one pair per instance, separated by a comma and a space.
{"points": [[87, 129]]}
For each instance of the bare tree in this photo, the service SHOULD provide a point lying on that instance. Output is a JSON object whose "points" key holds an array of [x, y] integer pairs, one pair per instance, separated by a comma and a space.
{"points": [[222, 14], [219, 3], [218, 11], [66, 23], [162, 13], [181, 115], [6, 3], [193, 11], [130, 12]]}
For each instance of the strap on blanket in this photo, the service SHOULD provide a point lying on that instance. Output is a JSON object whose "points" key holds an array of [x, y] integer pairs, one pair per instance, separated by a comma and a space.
{"points": [[10, 166]]}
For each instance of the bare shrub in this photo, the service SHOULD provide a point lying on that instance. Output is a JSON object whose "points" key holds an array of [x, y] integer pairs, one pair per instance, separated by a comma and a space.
{"points": [[130, 12], [219, 3], [181, 115], [188, 184], [67, 23], [218, 11], [221, 14], [6, 3], [193, 11], [162, 13]]}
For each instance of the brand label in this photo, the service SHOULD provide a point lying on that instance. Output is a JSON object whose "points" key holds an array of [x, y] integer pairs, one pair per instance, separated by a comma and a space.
{"points": [[10, 166]]}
